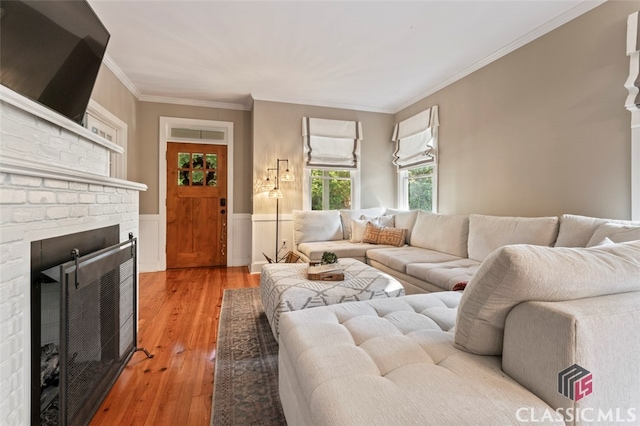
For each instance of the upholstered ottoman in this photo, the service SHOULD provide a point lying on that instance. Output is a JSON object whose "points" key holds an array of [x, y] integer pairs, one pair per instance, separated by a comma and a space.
{"points": [[284, 287]]}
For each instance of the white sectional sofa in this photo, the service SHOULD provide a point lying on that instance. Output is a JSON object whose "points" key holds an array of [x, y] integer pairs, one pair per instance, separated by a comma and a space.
{"points": [[442, 250], [543, 335]]}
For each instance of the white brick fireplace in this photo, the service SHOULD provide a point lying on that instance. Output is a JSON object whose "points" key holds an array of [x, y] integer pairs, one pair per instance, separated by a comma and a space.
{"points": [[53, 181]]}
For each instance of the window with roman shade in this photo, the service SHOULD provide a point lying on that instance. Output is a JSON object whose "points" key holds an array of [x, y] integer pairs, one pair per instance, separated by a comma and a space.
{"points": [[416, 140], [333, 144]]}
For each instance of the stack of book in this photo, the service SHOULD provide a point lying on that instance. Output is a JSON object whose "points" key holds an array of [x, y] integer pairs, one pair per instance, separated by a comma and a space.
{"points": [[330, 272]]}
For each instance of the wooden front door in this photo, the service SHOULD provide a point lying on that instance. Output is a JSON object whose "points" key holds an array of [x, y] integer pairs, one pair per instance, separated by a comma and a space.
{"points": [[196, 205]]}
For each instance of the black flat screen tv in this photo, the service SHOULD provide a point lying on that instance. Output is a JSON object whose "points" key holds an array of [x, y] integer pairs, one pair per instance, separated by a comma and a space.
{"points": [[51, 51]]}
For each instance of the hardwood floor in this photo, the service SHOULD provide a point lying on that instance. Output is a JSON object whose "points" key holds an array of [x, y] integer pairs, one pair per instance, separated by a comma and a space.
{"points": [[178, 323]]}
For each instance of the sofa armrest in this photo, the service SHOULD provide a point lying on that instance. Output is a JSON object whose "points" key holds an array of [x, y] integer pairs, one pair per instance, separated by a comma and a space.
{"points": [[600, 334]]}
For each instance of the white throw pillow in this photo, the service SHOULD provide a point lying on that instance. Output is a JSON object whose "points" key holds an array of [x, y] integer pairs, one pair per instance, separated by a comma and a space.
{"points": [[576, 231], [405, 219], [316, 225], [441, 232], [347, 215], [388, 221], [522, 273], [487, 233], [614, 232], [358, 226]]}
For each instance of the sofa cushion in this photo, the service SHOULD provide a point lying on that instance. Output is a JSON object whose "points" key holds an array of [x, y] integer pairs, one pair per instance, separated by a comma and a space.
{"points": [[316, 225], [519, 273], [487, 233], [398, 258], [576, 231], [347, 215], [445, 274], [441, 232], [392, 363], [405, 219], [342, 248], [614, 232]]}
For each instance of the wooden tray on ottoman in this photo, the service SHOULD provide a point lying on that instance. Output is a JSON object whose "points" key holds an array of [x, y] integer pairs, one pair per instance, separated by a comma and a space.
{"points": [[317, 272]]}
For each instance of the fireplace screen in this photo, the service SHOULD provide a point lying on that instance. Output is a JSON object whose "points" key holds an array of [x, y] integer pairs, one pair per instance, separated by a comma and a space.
{"points": [[97, 333]]}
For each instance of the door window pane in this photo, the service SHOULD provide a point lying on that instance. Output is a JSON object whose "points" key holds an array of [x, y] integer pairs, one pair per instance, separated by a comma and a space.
{"points": [[212, 161], [212, 179], [198, 161], [183, 178], [183, 160], [198, 178]]}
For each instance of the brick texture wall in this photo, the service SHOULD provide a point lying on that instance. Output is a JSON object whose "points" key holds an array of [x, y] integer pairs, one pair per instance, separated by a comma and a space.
{"points": [[34, 208]]}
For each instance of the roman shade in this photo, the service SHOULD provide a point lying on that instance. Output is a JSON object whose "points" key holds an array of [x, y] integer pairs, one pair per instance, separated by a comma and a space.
{"points": [[416, 139], [331, 143]]}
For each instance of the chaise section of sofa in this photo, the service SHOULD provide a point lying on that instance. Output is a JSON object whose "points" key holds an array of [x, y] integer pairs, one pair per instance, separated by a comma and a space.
{"points": [[492, 356]]}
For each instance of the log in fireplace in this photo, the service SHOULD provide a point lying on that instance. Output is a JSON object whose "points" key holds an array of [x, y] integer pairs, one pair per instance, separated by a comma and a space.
{"points": [[83, 322]]}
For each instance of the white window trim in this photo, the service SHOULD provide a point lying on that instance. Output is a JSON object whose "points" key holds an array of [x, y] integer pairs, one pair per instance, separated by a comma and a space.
{"points": [[403, 187], [306, 187], [117, 161]]}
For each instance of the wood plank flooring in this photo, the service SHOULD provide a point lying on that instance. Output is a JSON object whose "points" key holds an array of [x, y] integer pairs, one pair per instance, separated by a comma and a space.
{"points": [[178, 323]]}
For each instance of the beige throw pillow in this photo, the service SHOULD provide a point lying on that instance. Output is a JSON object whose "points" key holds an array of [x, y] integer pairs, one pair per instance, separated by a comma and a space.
{"points": [[521, 273], [375, 234]]}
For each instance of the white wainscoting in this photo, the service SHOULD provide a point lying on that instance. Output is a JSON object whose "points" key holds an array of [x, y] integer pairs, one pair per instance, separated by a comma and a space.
{"points": [[152, 257], [149, 254], [264, 238], [241, 228]]}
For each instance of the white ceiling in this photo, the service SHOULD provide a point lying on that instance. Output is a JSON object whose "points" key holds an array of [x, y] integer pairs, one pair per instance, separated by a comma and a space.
{"points": [[373, 56]]}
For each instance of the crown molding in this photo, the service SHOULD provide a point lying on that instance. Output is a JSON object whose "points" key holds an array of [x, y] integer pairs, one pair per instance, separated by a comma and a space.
{"points": [[543, 29], [298, 101], [194, 102], [120, 75]]}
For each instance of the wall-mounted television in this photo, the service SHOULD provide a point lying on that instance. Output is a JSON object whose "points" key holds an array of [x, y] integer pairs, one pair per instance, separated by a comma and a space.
{"points": [[51, 51]]}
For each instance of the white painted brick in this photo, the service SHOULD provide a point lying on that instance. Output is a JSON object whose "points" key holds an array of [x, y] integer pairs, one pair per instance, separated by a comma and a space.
{"points": [[121, 208], [77, 186], [31, 181], [79, 211], [114, 199], [69, 136], [70, 159], [47, 126], [109, 209], [18, 114], [54, 183], [93, 155], [9, 252], [109, 189], [42, 197], [12, 196], [11, 126], [96, 210], [28, 214], [102, 199], [56, 142], [68, 198], [96, 188], [122, 191], [19, 144], [58, 212], [87, 198], [78, 150]]}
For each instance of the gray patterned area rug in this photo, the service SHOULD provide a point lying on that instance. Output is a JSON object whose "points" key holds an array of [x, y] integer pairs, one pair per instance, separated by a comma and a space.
{"points": [[245, 386]]}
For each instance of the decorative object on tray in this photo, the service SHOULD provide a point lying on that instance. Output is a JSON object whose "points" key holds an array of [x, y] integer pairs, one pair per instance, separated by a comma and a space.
{"points": [[328, 257], [329, 269]]}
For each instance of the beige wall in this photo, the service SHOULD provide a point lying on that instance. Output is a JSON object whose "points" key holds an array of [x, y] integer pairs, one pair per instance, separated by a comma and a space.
{"points": [[149, 123], [116, 98], [277, 133], [543, 130]]}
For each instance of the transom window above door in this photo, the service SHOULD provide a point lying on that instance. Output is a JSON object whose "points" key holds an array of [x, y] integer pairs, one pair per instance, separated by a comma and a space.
{"points": [[197, 169]]}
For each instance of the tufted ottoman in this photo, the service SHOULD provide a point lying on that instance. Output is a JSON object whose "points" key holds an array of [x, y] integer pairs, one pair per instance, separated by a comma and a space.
{"points": [[284, 287], [390, 362]]}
